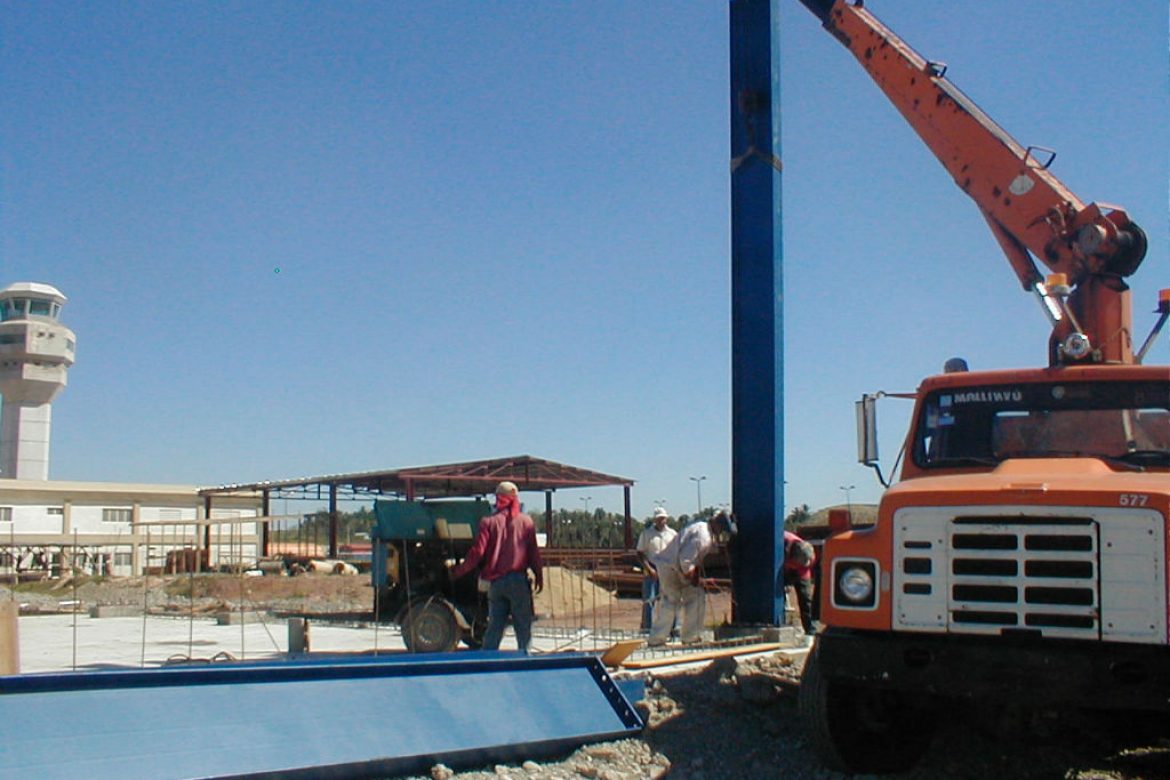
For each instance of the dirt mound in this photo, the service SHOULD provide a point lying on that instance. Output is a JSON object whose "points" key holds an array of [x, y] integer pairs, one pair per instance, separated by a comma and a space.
{"points": [[201, 593]]}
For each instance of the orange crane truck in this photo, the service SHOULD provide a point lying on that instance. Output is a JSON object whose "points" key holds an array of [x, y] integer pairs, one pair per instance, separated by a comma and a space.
{"points": [[1021, 558]]}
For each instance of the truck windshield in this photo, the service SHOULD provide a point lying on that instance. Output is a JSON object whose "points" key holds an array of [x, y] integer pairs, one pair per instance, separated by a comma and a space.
{"points": [[1126, 423]]}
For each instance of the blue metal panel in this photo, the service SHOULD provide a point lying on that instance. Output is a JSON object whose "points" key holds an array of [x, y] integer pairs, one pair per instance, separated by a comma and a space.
{"points": [[757, 362], [351, 718]]}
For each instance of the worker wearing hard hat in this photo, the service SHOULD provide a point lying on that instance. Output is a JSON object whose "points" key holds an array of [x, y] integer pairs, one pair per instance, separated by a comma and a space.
{"points": [[506, 544], [651, 542], [679, 565]]}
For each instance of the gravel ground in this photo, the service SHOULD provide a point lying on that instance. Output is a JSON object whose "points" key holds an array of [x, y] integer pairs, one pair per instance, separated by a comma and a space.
{"points": [[739, 720], [732, 719]]}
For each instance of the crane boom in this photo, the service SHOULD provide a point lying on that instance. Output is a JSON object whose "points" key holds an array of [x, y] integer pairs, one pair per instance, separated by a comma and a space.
{"points": [[1031, 213]]}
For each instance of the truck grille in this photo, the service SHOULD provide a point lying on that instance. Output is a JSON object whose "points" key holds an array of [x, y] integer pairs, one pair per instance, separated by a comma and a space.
{"points": [[1024, 574], [1039, 574]]}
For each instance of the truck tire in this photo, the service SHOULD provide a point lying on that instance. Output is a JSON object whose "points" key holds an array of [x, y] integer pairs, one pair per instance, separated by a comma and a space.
{"points": [[858, 729], [430, 627]]}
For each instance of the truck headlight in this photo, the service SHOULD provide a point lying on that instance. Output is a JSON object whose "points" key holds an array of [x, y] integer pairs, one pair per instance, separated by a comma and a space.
{"points": [[854, 584]]}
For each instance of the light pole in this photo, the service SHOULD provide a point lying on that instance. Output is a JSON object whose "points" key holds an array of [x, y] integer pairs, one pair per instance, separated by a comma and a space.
{"points": [[586, 499], [698, 491], [848, 497]]}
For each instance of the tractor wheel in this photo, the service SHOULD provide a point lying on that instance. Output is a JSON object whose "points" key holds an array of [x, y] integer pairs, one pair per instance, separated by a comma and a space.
{"points": [[859, 729], [430, 627]]}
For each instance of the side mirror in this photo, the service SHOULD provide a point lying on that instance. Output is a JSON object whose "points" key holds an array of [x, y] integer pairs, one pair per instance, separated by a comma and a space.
{"points": [[867, 445]]}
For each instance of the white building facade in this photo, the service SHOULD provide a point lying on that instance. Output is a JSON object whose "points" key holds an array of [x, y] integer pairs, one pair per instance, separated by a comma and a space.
{"points": [[103, 528]]}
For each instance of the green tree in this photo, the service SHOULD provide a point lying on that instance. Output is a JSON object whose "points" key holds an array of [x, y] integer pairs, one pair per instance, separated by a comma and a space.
{"points": [[798, 515], [313, 528], [576, 528]]}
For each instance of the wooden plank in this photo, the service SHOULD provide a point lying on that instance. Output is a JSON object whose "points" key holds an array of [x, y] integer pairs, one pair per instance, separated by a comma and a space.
{"points": [[706, 655], [9, 637], [614, 656]]}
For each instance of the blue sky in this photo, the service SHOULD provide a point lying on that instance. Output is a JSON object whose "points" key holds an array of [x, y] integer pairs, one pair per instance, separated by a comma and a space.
{"points": [[306, 238]]}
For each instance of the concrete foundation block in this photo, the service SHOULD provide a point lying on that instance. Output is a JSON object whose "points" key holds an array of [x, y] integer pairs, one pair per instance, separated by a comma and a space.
{"points": [[114, 610], [785, 635], [737, 632], [235, 618]]}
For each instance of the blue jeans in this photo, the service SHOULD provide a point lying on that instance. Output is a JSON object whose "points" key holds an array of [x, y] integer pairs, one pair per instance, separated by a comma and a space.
{"points": [[649, 594], [509, 594]]}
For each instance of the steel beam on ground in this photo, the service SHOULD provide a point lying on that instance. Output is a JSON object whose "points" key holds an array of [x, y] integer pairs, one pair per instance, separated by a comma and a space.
{"points": [[335, 718]]}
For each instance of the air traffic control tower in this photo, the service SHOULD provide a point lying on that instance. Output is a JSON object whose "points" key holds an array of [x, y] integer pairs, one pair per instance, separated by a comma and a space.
{"points": [[35, 353]]}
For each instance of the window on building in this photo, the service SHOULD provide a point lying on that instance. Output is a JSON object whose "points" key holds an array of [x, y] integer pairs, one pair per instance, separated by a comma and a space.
{"points": [[122, 559], [14, 308], [56, 510], [117, 515], [5, 514]]}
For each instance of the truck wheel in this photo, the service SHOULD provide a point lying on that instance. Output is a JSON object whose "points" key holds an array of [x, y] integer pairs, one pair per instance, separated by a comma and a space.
{"points": [[858, 729], [430, 627]]}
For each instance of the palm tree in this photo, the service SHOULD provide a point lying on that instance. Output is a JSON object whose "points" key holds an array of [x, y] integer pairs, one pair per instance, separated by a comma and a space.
{"points": [[798, 515]]}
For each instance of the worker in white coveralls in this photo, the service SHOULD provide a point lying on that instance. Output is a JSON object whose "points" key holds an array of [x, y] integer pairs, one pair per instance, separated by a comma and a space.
{"points": [[678, 568], [651, 542]]}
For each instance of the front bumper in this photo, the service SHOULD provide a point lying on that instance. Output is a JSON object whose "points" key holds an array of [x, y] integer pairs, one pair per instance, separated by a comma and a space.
{"points": [[1087, 674]]}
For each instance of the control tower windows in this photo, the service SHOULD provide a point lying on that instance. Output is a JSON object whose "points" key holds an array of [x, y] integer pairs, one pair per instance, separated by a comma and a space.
{"points": [[23, 308]]}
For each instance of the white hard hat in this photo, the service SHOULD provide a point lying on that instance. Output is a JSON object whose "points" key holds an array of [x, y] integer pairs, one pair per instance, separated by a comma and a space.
{"points": [[661, 512], [507, 489]]}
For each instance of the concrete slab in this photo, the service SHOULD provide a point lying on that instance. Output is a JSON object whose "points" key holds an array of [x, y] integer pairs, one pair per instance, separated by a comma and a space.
{"points": [[56, 643], [67, 642]]}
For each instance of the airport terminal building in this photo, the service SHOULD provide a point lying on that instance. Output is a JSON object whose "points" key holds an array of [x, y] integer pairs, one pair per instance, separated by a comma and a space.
{"points": [[106, 528]]}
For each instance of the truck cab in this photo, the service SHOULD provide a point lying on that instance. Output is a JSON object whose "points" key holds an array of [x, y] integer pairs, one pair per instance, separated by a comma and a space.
{"points": [[1021, 557]]}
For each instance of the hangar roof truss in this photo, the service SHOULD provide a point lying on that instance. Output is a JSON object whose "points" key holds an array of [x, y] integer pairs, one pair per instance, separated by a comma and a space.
{"points": [[478, 477]]}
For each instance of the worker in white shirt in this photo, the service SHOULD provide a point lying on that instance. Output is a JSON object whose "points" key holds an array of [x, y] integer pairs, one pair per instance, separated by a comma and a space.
{"points": [[678, 568], [651, 542]]}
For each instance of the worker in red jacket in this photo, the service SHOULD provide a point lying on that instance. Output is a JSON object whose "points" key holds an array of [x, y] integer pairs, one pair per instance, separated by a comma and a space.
{"points": [[506, 544], [799, 557]]}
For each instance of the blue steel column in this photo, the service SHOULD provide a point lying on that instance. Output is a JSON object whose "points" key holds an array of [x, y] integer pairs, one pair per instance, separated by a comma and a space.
{"points": [[757, 344]]}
